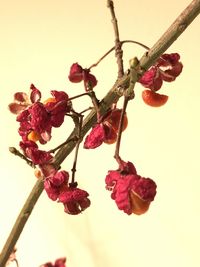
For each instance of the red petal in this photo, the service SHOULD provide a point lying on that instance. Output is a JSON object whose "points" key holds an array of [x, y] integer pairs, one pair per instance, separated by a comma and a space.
{"points": [[16, 108], [76, 73], [154, 99]]}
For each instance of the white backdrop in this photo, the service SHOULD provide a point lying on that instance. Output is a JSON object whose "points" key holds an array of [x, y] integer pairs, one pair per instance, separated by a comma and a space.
{"points": [[39, 42]]}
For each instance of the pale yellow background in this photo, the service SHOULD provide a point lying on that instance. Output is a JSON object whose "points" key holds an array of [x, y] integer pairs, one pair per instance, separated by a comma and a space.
{"points": [[39, 42]]}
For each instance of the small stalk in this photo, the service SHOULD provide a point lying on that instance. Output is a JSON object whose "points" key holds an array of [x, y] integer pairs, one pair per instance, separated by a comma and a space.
{"points": [[77, 96], [118, 45], [76, 150], [16, 152], [95, 102], [119, 135], [73, 139], [113, 48]]}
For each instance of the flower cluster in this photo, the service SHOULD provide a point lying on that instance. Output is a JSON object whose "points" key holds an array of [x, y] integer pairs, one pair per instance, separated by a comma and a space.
{"points": [[36, 119], [131, 192], [57, 187], [166, 68], [78, 74], [61, 262], [105, 131]]}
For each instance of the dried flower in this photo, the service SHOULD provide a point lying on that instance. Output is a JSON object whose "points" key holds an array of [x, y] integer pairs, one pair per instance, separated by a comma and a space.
{"points": [[166, 68], [131, 192], [61, 262], [78, 74], [96, 137], [31, 151], [56, 183], [106, 131], [75, 200], [36, 118]]}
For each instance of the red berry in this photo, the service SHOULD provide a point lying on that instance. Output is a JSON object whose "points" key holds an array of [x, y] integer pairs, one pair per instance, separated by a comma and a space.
{"points": [[154, 99]]}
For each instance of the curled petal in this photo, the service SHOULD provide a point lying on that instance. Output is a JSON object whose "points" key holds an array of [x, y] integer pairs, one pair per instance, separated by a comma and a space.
{"points": [[127, 168], [28, 144], [40, 118], [90, 80], [142, 193], [73, 194], [168, 59], [95, 137], [35, 95], [51, 190], [21, 97], [152, 79], [145, 188], [60, 262], [59, 178], [170, 74], [16, 108], [23, 116], [59, 95], [38, 156], [76, 73], [75, 200]]}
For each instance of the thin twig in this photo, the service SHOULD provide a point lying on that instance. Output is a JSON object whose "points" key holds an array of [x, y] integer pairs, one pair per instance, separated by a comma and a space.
{"points": [[16, 261], [112, 49], [128, 95], [77, 96], [53, 150], [16, 152], [21, 221], [119, 135], [174, 31], [77, 149], [118, 45]]}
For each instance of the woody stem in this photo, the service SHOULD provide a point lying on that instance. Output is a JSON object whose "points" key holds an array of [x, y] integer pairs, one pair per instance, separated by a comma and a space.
{"points": [[118, 45], [165, 41], [77, 149]]}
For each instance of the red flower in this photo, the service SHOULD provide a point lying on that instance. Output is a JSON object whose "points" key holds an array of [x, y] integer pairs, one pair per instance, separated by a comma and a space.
{"points": [[75, 73], [167, 68], [75, 200], [31, 151], [61, 262], [22, 100], [55, 183], [131, 192], [96, 137], [57, 107], [37, 119], [106, 131], [78, 74]]}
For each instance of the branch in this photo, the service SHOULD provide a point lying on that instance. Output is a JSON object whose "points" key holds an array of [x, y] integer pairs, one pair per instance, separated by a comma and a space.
{"points": [[20, 222], [174, 31], [118, 44]]}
